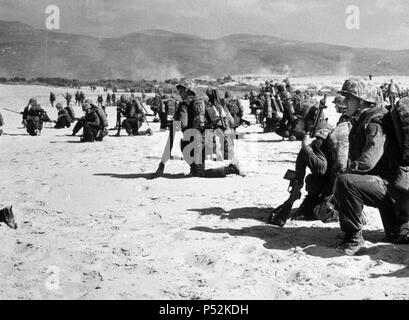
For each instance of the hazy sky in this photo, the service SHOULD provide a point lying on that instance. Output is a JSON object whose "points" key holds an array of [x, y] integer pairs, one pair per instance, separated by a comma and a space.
{"points": [[383, 23]]}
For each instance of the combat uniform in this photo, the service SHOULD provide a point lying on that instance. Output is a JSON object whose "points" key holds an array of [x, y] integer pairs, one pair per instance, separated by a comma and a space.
{"points": [[372, 164]]}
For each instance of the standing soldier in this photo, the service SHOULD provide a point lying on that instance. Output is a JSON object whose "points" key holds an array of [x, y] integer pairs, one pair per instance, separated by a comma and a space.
{"points": [[82, 98], [100, 100], [77, 98], [113, 98], [393, 93], [68, 98], [52, 99], [108, 100]]}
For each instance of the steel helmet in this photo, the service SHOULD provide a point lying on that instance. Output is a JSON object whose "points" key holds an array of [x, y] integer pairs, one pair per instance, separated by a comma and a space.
{"points": [[189, 85], [124, 98], [360, 89], [339, 101], [86, 106]]}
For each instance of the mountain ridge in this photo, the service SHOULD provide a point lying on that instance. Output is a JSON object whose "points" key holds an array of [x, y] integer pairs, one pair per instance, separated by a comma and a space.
{"points": [[161, 54]]}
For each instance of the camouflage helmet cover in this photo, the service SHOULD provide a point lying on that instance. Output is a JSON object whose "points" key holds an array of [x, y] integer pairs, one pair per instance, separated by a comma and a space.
{"points": [[360, 89]]}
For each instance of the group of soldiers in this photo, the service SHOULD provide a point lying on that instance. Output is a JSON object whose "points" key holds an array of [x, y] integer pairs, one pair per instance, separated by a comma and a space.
{"points": [[362, 160], [280, 109]]}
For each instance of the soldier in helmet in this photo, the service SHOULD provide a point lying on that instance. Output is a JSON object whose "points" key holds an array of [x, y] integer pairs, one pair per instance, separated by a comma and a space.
{"points": [[34, 117], [289, 116], [393, 92], [91, 124], [191, 116], [52, 99], [64, 119], [370, 173]]}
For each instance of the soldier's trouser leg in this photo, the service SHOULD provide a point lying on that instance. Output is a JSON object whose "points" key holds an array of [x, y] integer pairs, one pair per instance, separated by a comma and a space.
{"points": [[352, 192], [401, 204], [78, 126], [90, 133], [392, 100]]}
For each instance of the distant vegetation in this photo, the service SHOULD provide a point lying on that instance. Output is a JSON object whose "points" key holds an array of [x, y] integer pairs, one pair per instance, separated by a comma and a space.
{"points": [[146, 86]]}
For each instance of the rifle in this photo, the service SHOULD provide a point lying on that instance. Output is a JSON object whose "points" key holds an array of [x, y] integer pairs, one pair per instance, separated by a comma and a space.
{"points": [[280, 215], [245, 123], [12, 110], [318, 116]]}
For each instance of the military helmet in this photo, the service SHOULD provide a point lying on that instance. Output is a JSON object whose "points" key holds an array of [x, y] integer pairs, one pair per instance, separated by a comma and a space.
{"points": [[360, 89], [32, 102], [124, 98], [189, 85], [89, 101], [228, 94], [58, 105], [280, 87], [86, 106], [339, 101]]}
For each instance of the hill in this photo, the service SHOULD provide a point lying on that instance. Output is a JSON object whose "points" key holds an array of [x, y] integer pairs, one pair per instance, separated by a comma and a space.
{"points": [[158, 54]]}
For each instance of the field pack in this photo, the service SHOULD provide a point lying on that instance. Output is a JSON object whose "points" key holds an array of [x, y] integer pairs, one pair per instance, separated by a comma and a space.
{"points": [[399, 116], [199, 113], [101, 114]]}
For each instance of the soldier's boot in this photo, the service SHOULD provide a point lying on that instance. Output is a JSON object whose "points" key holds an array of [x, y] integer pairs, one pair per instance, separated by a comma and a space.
{"points": [[234, 168], [7, 216], [352, 244], [306, 210]]}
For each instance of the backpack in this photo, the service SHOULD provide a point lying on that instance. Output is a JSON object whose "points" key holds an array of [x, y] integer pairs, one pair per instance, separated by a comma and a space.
{"points": [[338, 145], [199, 113], [235, 111], [71, 112], [399, 118], [170, 108], [101, 114]]}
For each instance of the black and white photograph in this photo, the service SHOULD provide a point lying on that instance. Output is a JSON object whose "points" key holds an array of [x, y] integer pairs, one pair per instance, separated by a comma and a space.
{"points": [[184, 150]]}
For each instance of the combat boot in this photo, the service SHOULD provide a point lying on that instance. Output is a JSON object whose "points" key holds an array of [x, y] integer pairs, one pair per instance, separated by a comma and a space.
{"points": [[7, 216], [234, 168], [351, 244]]}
